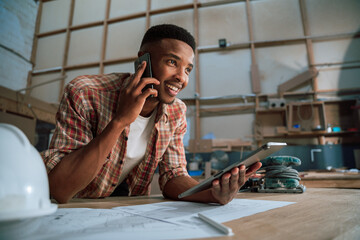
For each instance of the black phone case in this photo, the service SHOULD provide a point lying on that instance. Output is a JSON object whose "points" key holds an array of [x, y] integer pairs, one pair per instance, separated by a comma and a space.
{"points": [[147, 72]]}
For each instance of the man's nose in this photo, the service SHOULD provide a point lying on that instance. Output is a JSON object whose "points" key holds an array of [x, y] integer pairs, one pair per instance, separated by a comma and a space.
{"points": [[181, 76]]}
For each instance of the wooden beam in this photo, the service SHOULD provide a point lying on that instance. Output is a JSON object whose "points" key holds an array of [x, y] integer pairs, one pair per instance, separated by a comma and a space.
{"points": [[14, 102], [36, 32], [66, 48], [128, 17], [86, 25], [309, 45], [207, 112], [197, 73], [255, 80], [297, 80], [51, 33], [148, 9], [83, 65], [173, 9], [104, 37]]}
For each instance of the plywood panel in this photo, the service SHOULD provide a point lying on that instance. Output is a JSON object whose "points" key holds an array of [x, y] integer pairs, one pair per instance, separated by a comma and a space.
{"points": [[126, 7], [331, 17], [277, 19], [49, 92], [335, 78], [85, 45], [229, 21], [124, 38], [88, 11], [84, 71], [337, 51], [341, 115], [55, 15], [279, 64], [234, 126], [50, 51], [181, 18], [225, 73]]}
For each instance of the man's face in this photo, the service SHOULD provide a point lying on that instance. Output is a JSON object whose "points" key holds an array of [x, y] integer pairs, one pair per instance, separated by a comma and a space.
{"points": [[172, 62]]}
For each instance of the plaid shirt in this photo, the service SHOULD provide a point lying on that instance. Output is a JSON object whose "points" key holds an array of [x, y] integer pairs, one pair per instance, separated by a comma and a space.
{"points": [[88, 105]]}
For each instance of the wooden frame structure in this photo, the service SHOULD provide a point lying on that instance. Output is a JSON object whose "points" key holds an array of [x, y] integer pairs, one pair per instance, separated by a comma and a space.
{"points": [[197, 101]]}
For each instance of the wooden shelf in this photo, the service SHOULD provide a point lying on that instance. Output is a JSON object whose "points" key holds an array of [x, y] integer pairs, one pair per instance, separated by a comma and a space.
{"points": [[280, 122], [313, 134], [269, 110]]}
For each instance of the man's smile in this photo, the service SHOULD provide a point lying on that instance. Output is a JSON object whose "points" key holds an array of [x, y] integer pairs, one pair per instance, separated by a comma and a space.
{"points": [[172, 89]]}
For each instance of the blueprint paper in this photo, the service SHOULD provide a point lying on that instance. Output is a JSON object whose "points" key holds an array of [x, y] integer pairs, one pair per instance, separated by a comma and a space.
{"points": [[165, 220]]}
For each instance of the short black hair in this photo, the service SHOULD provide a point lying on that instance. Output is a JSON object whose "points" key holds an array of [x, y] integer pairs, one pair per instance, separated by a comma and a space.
{"points": [[158, 32]]}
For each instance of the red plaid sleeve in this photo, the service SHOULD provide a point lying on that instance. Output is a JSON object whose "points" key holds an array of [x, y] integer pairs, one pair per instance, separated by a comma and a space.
{"points": [[73, 130], [173, 163]]}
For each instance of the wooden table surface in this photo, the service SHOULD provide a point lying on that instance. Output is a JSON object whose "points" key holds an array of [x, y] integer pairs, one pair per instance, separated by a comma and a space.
{"points": [[319, 213]]}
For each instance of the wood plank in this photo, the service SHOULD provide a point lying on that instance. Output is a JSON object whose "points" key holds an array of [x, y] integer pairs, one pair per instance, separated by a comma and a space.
{"points": [[226, 110], [28, 110], [309, 45], [297, 80], [86, 25], [104, 37], [197, 73], [172, 9], [331, 183], [148, 9], [36, 32], [66, 48], [128, 17], [14, 102], [255, 80]]}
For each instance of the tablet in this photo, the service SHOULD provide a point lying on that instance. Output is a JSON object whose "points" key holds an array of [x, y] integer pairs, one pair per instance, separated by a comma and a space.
{"points": [[255, 156]]}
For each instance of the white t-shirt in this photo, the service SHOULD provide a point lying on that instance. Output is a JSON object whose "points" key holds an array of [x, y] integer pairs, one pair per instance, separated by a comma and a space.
{"points": [[139, 134]]}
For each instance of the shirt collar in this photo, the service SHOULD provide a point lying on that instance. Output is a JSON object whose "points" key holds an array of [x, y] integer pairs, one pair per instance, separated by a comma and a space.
{"points": [[162, 111]]}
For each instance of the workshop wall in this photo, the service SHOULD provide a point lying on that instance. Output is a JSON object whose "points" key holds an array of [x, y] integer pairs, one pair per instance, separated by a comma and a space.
{"points": [[222, 72], [17, 24]]}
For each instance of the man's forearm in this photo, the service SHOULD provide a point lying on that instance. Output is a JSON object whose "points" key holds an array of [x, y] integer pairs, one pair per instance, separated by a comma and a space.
{"points": [[77, 169], [178, 185]]}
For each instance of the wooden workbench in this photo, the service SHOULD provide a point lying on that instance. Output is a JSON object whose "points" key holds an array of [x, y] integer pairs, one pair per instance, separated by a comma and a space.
{"points": [[319, 213], [314, 179]]}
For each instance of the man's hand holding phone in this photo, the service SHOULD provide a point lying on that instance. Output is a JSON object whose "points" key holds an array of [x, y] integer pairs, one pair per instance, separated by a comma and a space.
{"points": [[133, 96]]}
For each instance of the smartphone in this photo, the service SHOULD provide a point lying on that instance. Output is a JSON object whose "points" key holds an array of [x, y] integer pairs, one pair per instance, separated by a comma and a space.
{"points": [[147, 72]]}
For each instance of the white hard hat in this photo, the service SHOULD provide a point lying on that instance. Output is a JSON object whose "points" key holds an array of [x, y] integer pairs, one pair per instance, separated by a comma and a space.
{"points": [[24, 185]]}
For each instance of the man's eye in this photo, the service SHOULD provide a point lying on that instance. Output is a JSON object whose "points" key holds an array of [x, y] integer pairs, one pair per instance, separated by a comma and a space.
{"points": [[188, 70], [172, 62]]}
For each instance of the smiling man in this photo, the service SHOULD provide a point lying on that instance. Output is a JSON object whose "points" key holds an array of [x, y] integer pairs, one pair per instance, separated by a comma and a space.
{"points": [[111, 136]]}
